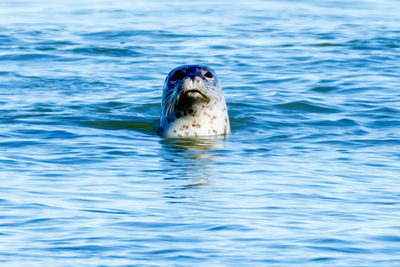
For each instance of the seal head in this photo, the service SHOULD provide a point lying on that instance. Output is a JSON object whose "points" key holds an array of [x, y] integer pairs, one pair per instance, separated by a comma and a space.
{"points": [[193, 104]]}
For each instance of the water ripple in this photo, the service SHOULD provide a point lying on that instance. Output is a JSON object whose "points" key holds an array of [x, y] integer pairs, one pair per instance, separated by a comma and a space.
{"points": [[104, 51], [309, 175], [307, 107]]}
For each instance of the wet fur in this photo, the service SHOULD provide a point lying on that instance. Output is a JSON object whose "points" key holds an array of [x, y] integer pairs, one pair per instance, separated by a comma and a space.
{"points": [[193, 105]]}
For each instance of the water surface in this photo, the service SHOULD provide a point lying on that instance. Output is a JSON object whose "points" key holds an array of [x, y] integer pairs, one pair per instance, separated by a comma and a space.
{"points": [[309, 175]]}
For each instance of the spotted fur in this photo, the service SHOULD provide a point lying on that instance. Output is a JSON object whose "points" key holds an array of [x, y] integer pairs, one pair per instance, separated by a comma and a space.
{"points": [[193, 104]]}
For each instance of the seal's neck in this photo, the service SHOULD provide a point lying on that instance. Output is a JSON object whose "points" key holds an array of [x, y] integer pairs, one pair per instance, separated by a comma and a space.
{"points": [[198, 119]]}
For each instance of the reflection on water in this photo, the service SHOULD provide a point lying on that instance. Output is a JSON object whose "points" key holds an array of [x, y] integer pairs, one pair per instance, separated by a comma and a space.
{"points": [[190, 162], [194, 144]]}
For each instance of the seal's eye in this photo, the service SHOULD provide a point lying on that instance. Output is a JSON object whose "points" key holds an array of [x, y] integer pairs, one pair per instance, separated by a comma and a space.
{"points": [[178, 75], [208, 74]]}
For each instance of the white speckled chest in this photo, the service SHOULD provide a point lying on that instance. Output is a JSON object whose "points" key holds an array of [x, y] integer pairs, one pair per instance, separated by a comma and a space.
{"points": [[206, 120]]}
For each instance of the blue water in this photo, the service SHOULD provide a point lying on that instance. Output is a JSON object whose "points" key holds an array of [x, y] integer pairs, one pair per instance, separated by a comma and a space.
{"points": [[309, 176]]}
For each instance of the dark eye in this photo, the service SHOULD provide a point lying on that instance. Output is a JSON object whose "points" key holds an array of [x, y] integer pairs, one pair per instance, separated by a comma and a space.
{"points": [[178, 75], [208, 75]]}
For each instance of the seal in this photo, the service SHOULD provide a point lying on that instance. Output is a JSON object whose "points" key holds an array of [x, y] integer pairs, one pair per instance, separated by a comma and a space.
{"points": [[193, 104]]}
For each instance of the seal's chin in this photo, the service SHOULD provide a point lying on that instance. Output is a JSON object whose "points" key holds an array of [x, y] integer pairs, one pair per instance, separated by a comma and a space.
{"points": [[190, 98], [196, 95]]}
